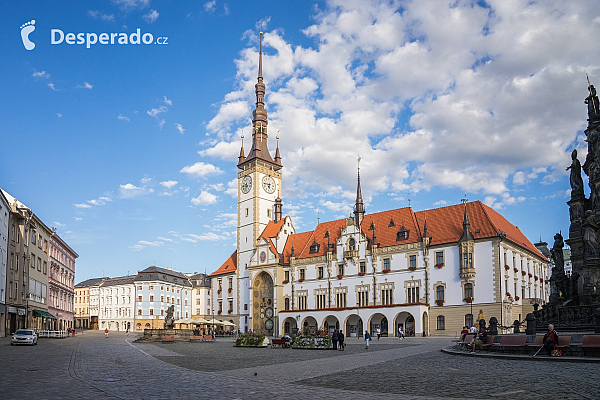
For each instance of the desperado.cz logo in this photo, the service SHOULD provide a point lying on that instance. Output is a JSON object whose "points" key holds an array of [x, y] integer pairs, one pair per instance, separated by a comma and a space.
{"points": [[57, 36]]}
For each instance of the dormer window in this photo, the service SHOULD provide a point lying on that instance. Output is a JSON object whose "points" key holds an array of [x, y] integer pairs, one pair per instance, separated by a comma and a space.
{"points": [[314, 247], [402, 234], [391, 222]]}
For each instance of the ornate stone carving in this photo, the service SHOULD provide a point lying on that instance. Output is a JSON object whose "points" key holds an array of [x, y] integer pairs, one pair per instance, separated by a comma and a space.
{"points": [[576, 181]]}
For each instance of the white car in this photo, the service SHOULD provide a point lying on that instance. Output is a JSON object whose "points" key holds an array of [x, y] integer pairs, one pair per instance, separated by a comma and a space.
{"points": [[24, 336]]}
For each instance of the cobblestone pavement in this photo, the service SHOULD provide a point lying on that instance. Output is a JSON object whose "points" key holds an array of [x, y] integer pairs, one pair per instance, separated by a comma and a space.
{"points": [[90, 366]]}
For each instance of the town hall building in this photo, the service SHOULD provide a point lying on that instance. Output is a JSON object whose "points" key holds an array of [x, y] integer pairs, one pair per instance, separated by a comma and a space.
{"points": [[427, 272]]}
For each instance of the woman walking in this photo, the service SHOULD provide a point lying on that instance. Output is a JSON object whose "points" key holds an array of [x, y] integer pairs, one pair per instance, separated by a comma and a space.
{"points": [[367, 338]]}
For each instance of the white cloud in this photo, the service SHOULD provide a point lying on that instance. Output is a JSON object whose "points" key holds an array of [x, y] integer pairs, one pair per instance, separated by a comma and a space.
{"points": [[161, 123], [58, 224], [151, 244], [131, 4], [167, 101], [101, 15], [179, 127], [59, 115], [153, 112], [82, 205], [201, 170], [85, 86], [204, 198], [51, 86], [168, 184], [232, 188], [40, 74], [122, 117], [151, 16], [210, 6], [129, 190]]}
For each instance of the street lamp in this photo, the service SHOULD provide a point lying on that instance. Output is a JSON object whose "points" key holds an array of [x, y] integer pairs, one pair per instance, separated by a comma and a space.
{"points": [[472, 318]]}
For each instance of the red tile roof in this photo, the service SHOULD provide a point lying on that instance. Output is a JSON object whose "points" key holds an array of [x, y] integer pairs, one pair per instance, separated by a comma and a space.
{"points": [[272, 228], [444, 225], [228, 266]]}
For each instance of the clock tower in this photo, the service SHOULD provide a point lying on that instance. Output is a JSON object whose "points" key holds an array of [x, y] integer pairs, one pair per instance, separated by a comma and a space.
{"points": [[259, 185]]}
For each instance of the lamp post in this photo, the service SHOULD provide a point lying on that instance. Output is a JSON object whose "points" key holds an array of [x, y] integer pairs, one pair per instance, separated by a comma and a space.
{"points": [[501, 235], [472, 318]]}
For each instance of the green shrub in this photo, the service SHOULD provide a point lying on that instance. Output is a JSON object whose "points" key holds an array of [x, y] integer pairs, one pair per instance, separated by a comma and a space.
{"points": [[249, 340], [312, 342]]}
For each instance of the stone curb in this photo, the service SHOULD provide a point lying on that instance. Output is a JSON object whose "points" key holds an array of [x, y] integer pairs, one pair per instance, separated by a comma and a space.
{"points": [[522, 357]]}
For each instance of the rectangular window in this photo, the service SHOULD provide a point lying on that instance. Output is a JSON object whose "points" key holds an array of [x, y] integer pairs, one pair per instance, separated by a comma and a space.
{"points": [[162, 299], [140, 311], [151, 287], [268, 213], [230, 307], [362, 267], [413, 261], [320, 272], [152, 311], [439, 293], [287, 303], [39, 264], [387, 264], [287, 276], [246, 212], [302, 274], [45, 270], [441, 323], [32, 237], [340, 269], [469, 320], [151, 298], [439, 257], [139, 298]]}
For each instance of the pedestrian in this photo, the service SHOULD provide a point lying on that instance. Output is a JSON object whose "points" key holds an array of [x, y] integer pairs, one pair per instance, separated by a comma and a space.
{"points": [[550, 339], [106, 332], [341, 343], [378, 331], [334, 339], [472, 329], [400, 333], [367, 338], [127, 330]]}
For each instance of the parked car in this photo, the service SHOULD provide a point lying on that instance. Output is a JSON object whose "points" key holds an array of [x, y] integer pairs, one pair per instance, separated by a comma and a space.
{"points": [[24, 336]]}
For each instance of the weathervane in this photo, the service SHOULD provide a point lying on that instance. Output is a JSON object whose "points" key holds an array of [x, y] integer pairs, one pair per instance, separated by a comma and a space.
{"points": [[358, 161]]}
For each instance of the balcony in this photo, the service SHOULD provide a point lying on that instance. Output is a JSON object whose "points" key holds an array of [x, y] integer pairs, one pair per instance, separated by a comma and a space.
{"points": [[350, 254]]}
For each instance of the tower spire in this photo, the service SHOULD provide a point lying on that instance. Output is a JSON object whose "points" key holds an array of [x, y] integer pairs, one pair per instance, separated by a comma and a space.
{"points": [[242, 157], [359, 208], [259, 149], [466, 235]]}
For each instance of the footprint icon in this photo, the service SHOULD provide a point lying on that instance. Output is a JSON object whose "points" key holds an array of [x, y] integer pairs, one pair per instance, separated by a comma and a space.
{"points": [[26, 29]]}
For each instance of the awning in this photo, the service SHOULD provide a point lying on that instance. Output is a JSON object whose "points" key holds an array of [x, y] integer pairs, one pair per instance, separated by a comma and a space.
{"points": [[43, 314], [200, 321]]}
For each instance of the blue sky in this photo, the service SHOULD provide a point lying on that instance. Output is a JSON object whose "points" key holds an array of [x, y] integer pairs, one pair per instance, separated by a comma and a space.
{"points": [[130, 150]]}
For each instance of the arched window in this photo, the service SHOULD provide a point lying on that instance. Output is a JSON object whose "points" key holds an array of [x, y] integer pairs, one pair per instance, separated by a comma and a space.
{"points": [[441, 323], [469, 320], [351, 244], [439, 293]]}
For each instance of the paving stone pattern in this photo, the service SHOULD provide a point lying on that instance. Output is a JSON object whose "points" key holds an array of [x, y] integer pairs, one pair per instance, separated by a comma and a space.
{"points": [[90, 366]]}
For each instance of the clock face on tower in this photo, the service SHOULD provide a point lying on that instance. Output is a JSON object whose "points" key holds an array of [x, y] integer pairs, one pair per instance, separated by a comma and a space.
{"points": [[268, 184], [246, 184]]}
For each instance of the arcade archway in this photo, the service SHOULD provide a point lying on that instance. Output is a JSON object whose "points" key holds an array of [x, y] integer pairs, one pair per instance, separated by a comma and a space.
{"points": [[262, 301]]}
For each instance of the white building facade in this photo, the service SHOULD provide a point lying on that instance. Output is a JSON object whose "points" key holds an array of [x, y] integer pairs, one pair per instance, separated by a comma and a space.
{"points": [[4, 218], [157, 289], [428, 273], [116, 303]]}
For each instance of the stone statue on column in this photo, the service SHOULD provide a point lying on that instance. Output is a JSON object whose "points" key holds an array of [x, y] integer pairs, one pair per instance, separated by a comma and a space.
{"points": [[576, 181]]}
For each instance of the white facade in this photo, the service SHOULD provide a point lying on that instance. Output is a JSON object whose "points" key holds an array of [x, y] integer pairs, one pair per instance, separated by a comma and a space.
{"points": [[4, 217], [117, 304]]}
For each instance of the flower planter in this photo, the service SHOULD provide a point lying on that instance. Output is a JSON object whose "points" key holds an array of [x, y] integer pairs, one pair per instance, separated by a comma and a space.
{"points": [[230, 312], [506, 267], [530, 275], [385, 271], [517, 298], [229, 290], [516, 270], [219, 312], [439, 302], [300, 280], [340, 276], [285, 281], [536, 278], [412, 268], [439, 265], [469, 300], [361, 273], [219, 291], [523, 273]]}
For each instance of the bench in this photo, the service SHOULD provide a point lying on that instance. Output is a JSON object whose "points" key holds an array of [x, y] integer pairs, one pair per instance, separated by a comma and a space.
{"points": [[208, 338], [278, 342], [511, 342], [466, 339], [488, 343], [537, 343], [590, 342], [564, 342], [168, 339], [196, 338]]}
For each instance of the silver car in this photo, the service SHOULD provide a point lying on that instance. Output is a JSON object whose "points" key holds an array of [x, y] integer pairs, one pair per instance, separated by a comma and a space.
{"points": [[24, 336]]}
